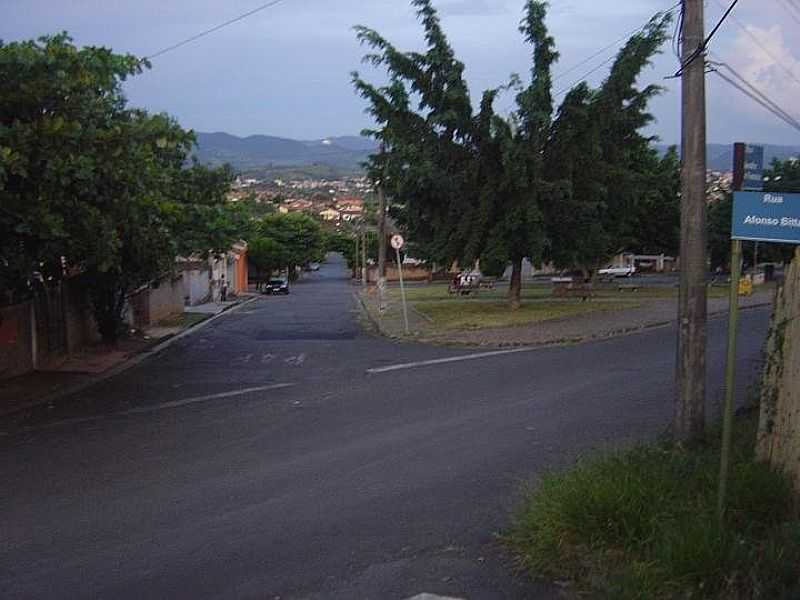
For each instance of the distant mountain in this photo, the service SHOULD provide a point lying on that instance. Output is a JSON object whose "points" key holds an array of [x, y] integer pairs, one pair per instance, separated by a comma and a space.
{"points": [[257, 151], [720, 156]]}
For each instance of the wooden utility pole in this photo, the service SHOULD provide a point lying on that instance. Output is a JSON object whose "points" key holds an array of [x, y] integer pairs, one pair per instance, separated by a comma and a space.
{"points": [[689, 414]]}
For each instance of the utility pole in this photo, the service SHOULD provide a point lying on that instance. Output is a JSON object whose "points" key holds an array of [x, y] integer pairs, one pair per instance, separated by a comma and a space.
{"points": [[381, 248], [689, 413], [355, 259], [364, 271]]}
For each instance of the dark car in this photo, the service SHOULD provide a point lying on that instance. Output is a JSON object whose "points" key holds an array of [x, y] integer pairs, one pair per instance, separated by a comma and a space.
{"points": [[277, 286]]}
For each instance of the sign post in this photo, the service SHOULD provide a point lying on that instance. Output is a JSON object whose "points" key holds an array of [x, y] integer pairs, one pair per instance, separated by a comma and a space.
{"points": [[759, 217], [397, 244]]}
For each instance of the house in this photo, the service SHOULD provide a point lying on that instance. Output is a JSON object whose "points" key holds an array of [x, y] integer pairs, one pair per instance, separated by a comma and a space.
{"points": [[350, 203], [297, 205], [203, 278], [350, 215], [330, 214]]}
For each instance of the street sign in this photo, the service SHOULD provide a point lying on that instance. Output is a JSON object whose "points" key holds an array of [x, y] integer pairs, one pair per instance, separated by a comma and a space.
{"points": [[397, 241], [753, 168], [766, 217]]}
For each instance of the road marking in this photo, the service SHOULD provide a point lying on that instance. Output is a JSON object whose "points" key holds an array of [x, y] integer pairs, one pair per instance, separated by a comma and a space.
{"points": [[296, 361], [154, 407], [187, 401], [451, 359]]}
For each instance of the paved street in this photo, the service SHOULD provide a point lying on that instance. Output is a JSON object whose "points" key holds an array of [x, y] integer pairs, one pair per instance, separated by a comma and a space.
{"points": [[276, 454]]}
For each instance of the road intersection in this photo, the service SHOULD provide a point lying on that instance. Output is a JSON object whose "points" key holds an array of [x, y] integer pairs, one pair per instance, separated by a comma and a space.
{"points": [[282, 453]]}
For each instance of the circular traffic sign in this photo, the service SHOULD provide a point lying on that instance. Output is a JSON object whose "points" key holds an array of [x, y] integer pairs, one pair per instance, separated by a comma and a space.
{"points": [[397, 241]]}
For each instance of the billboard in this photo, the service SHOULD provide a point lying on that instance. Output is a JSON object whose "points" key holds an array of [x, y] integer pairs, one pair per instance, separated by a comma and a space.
{"points": [[766, 217]]}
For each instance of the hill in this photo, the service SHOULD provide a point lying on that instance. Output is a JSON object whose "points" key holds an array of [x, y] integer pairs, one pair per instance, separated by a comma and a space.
{"points": [[259, 151], [720, 156]]}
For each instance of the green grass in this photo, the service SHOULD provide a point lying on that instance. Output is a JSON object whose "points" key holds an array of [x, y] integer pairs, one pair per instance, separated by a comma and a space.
{"points": [[467, 314], [183, 320], [641, 524], [540, 291]]}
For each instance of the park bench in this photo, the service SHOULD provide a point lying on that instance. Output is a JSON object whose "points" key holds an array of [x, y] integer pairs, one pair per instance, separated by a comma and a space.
{"points": [[628, 287]]}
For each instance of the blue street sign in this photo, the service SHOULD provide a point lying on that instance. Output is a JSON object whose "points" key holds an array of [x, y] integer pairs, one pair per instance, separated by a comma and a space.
{"points": [[766, 217], [753, 168]]}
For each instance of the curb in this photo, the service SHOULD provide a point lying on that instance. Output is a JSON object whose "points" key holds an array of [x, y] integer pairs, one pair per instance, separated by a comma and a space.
{"points": [[133, 361], [597, 337]]}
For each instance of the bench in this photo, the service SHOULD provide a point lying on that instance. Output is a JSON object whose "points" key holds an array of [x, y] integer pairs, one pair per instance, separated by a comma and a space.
{"points": [[629, 287]]}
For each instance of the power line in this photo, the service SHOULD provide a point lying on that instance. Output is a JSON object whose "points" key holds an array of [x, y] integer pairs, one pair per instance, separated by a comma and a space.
{"points": [[583, 77], [599, 52], [756, 95], [758, 42], [791, 8], [613, 44], [754, 89], [213, 29], [756, 99], [704, 46]]}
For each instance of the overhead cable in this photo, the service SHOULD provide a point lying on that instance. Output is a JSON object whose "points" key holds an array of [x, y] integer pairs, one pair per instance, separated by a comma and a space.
{"points": [[213, 29], [758, 43], [756, 98]]}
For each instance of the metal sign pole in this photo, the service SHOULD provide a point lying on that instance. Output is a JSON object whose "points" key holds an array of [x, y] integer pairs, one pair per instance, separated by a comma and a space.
{"points": [[730, 377], [402, 289], [739, 173]]}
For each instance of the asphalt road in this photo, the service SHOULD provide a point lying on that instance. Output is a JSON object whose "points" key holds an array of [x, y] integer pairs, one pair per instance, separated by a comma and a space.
{"points": [[258, 458]]}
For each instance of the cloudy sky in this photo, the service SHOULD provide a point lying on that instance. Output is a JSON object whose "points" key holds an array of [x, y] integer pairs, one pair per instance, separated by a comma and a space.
{"points": [[285, 70]]}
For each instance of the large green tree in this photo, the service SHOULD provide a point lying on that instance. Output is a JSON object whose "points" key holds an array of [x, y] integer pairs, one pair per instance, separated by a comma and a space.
{"points": [[299, 237], [610, 187], [468, 183], [88, 184]]}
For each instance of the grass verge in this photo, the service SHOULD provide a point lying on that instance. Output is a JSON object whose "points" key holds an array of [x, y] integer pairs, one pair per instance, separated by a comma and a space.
{"points": [[183, 320], [479, 315], [641, 524]]}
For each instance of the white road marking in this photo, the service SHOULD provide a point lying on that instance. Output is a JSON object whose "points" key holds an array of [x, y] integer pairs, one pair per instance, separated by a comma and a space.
{"points": [[156, 407], [296, 360], [187, 401], [451, 359]]}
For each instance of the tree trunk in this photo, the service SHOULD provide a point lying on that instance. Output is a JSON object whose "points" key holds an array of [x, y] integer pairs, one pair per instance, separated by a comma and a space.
{"points": [[515, 286], [779, 427]]}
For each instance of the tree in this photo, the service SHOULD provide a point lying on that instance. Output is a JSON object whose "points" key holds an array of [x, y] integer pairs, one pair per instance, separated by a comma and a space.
{"points": [[475, 184], [91, 184], [606, 177], [718, 225], [299, 237], [266, 255]]}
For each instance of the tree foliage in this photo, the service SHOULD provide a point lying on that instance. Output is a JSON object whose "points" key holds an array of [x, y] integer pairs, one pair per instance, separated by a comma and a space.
{"points": [[88, 184], [468, 183], [298, 236]]}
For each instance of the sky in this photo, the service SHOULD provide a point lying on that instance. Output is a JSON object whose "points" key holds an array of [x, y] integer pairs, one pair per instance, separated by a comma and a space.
{"points": [[285, 71]]}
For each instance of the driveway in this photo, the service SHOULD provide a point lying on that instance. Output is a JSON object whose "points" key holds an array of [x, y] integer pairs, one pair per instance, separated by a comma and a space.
{"points": [[281, 453]]}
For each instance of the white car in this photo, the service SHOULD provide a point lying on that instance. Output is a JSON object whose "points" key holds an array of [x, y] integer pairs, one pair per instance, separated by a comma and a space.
{"points": [[612, 271]]}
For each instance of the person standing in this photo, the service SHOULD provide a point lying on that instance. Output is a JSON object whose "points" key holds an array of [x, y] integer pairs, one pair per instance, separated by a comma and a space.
{"points": [[223, 289]]}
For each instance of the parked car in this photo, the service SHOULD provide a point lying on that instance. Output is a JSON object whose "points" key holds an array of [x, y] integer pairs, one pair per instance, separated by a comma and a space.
{"points": [[612, 271], [277, 286]]}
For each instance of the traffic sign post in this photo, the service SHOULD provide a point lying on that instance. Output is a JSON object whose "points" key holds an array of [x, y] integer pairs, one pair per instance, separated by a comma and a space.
{"points": [[759, 217], [397, 243]]}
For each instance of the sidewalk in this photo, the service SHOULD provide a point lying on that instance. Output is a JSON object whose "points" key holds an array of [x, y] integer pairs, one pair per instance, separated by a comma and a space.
{"points": [[598, 325], [82, 369]]}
